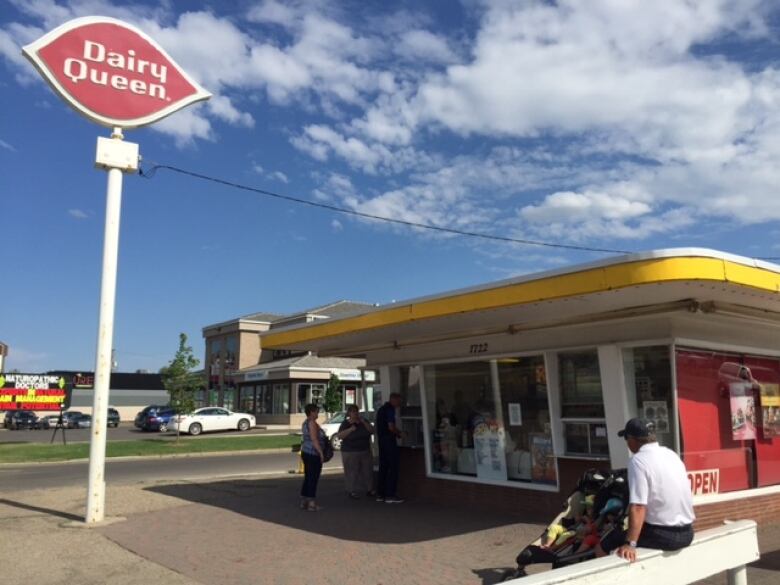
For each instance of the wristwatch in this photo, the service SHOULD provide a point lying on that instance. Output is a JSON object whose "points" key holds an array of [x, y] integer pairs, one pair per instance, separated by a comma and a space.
{"points": [[632, 543]]}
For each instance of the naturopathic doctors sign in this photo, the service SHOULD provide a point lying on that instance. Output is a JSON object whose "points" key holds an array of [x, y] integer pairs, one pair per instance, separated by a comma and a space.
{"points": [[33, 392]]}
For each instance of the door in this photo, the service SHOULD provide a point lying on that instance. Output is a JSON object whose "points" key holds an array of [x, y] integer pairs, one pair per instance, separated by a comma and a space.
{"points": [[206, 418], [222, 420]]}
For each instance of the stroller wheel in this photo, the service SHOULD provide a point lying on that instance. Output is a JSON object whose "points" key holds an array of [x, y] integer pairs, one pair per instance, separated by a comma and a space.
{"points": [[513, 574]]}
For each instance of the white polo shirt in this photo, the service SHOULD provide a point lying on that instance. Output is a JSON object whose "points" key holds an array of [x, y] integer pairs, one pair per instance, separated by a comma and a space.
{"points": [[657, 479]]}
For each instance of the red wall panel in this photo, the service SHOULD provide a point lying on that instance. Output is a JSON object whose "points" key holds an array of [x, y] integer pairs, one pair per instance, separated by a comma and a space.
{"points": [[705, 419]]}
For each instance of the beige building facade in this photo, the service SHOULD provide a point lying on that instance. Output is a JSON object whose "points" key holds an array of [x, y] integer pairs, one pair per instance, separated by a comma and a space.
{"points": [[275, 385]]}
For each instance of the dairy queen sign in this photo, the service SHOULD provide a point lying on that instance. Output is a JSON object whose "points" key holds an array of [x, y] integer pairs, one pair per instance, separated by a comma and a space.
{"points": [[115, 75], [112, 73]]}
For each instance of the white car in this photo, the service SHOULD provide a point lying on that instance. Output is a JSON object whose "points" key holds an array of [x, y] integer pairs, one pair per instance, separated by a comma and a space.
{"points": [[211, 418]]}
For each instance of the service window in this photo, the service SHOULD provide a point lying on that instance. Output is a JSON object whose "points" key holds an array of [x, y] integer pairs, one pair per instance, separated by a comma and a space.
{"points": [[648, 374], [582, 404]]}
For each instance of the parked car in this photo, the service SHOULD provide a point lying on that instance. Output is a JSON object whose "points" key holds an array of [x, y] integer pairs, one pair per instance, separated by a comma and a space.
{"points": [[113, 417], [331, 425], [48, 421], [154, 418], [20, 419], [69, 418], [211, 418], [82, 422]]}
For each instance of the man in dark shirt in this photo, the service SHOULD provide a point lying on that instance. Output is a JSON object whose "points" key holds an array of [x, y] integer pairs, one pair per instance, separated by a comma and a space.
{"points": [[389, 457]]}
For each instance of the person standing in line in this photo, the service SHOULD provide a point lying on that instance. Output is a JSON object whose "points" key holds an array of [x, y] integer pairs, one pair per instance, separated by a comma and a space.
{"points": [[389, 456], [313, 457], [660, 501], [355, 434]]}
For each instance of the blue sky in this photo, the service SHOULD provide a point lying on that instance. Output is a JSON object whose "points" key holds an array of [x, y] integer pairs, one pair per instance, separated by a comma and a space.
{"points": [[629, 125]]}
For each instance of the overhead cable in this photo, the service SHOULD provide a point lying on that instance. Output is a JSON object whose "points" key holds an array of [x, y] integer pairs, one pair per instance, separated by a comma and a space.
{"points": [[150, 172]]}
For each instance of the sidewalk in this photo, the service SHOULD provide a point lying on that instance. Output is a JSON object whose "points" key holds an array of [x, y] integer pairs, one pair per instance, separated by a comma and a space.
{"points": [[226, 532]]}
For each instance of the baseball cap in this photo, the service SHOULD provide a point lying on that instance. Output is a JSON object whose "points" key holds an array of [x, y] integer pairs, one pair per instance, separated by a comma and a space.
{"points": [[637, 427]]}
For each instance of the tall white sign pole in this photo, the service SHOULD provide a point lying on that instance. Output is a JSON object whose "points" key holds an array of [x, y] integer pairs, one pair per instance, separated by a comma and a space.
{"points": [[116, 157], [146, 86]]}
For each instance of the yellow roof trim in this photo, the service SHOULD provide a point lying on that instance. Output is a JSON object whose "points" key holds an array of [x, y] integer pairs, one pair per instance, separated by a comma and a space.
{"points": [[588, 281]]}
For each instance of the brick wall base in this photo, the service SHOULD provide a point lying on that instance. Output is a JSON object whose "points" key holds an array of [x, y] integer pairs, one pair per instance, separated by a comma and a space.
{"points": [[527, 505]]}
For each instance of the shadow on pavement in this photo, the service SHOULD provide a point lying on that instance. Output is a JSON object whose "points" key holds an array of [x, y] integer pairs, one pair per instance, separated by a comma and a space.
{"points": [[23, 506], [276, 500], [769, 561], [491, 576]]}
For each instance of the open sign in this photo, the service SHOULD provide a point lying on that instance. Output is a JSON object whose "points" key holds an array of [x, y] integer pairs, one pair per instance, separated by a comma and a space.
{"points": [[704, 481]]}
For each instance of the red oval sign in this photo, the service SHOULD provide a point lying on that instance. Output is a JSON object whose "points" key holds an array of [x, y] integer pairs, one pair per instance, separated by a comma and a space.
{"points": [[112, 73]]}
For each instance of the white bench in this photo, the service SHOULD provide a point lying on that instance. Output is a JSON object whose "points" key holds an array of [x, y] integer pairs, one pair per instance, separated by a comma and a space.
{"points": [[727, 548]]}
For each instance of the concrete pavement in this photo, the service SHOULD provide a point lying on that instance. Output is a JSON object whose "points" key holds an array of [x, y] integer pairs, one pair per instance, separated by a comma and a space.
{"points": [[251, 531]]}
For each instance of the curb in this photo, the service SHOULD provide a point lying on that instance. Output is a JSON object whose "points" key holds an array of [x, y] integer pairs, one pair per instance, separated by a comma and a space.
{"points": [[158, 456]]}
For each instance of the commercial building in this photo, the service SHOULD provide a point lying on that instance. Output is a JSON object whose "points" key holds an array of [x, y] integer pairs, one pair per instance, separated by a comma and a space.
{"points": [[3, 354], [513, 389], [128, 392], [276, 385]]}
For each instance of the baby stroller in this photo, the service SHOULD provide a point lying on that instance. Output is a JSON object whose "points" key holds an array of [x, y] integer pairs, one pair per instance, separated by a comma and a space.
{"points": [[594, 514]]}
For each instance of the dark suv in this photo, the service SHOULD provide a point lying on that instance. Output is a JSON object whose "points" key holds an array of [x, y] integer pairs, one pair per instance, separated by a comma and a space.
{"points": [[154, 418], [113, 417], [20, 419], [69, 418]]}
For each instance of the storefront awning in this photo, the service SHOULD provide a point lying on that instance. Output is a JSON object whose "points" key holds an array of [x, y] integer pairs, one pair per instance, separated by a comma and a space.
{"points": [[633, 283]]}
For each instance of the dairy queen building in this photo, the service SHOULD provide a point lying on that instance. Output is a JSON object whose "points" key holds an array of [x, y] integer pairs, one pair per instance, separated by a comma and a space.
{"points": [[556, 362]]}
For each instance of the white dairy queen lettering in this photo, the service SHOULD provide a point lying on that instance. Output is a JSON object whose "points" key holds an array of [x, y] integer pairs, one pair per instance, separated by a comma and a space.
{"points": [[96, 64]]}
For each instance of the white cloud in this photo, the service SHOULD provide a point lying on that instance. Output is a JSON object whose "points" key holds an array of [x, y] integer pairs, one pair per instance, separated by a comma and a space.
{"points": [[7, 146], [423, 45], [185, 126], [223, 108], [78, 214], [273, 12], [336, 225], [616, 119], [275, 175]]}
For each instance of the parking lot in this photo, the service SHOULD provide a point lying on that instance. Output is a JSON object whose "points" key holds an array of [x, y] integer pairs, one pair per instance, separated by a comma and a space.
{"points": [[124, 432]]}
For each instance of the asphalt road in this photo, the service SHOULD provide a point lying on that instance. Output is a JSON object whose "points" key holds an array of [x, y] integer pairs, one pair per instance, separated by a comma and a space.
{"points": [[152, 469], [124, 432]]}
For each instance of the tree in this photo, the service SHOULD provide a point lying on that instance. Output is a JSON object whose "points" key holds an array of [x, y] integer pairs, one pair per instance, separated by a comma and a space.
{"points": [[333, 400], [180, 381]]}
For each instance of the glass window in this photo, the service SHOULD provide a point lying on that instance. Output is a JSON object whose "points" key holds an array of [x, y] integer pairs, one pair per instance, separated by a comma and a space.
{"points": [[460, 401], [229, 398], [310, 394], [349, 392], [648, 373], [304, 391], [246, 401], [580, 381], [585, 438], [281, 399], [491, 420], [231, 354], [214, 362], [526, 417], [264, 399]]}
